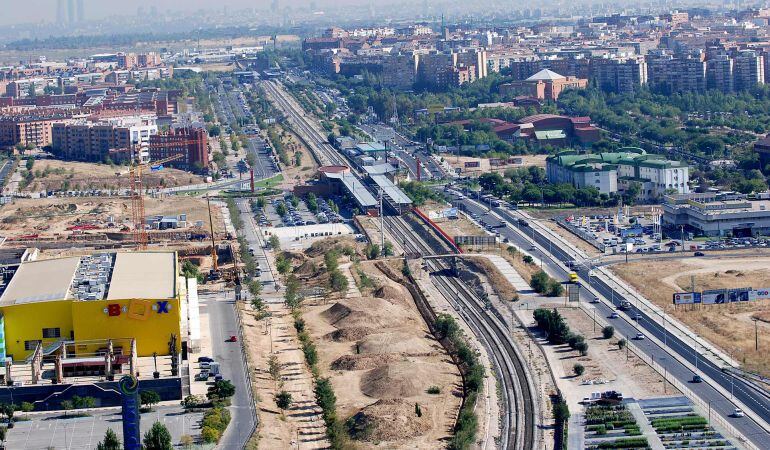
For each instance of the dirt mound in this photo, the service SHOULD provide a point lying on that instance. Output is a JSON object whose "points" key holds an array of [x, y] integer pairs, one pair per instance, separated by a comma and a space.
{"points": [[389, 420], [319, 248], [388, 293], [307, 269], [349, 334], [395, 380], [369, 312], [362, 362], [336, 312], [395, 342]]}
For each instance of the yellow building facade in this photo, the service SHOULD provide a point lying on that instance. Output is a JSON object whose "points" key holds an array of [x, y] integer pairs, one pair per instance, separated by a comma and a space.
{"points": [[32, 313]]}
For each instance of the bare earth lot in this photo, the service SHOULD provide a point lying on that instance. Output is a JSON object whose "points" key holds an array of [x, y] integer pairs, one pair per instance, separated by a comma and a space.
{"points": [[728, 326], [53, 174], [49, 216], [381, 359]]}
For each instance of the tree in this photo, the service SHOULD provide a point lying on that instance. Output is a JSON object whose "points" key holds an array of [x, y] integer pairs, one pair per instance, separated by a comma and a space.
{"points": [[274, 242], [283, 400], [338, 281], [67, 405], [608, 332], [578, 369], [110, 442], [387, 249], [186, 441], [372, 251], [149, 398], [158, 438], [220, 390], [622, 344], [582, 347], [274, 367]]}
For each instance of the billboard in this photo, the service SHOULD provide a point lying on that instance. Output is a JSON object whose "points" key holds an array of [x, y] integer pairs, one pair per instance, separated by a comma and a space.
{"points": [[687, 298], [759, 294], [714, 296]]}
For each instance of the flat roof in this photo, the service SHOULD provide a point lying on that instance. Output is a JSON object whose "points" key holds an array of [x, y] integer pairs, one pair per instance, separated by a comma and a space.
{"points": [[391, 190], [143, 275], [357, 189], [44, 280]]}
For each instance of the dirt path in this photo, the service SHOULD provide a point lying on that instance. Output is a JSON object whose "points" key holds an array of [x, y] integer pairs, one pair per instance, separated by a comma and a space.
{"points": [[300, 426]]}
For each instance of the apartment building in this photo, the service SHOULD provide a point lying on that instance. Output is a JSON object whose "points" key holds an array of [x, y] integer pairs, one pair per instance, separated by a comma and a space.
{"points": [[93, 141], [749, 70], [720, 73], [191, 143], [619, 75], [30, 127], [617, 171]]}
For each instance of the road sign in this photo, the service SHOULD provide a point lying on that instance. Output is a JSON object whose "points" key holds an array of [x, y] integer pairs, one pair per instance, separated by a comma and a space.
{"points": [[574, 292]]}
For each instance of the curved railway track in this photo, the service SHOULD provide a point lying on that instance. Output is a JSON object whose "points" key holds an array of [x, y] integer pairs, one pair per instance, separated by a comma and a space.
{"points": [[518, 427]]}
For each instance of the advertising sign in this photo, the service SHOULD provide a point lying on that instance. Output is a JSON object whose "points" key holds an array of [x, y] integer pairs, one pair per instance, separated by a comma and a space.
{"points": [[738, 295], [714, 296], [759, 294], [687, 298]]}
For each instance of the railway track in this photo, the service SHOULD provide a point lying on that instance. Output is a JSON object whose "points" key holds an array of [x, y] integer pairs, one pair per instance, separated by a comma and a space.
{"points": [[325, 153], [518, 425]]}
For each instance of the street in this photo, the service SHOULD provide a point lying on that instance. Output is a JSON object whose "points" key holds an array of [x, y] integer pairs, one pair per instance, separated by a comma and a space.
{"points": [[552, 252]]}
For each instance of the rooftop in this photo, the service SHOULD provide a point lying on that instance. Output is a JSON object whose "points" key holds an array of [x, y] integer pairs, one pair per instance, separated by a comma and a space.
{"points": [[100, 276], [546, 75]]}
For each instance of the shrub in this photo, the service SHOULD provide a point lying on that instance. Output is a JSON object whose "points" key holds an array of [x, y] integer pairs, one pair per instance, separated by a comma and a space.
{"points": [[578, 369], [528, 259], [608, 332], [434, 390], [209, 435]]}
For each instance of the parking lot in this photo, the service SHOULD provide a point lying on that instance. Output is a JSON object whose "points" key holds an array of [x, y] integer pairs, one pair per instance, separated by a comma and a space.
{"points": [[291, 211], [57, 431]]}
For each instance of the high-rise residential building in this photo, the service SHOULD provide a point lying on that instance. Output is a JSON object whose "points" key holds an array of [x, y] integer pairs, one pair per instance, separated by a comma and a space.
{"points": [[87, 141], [70, 11], [81, 11], [617, 75], [719, 73], [60, 15], [749, 70]]}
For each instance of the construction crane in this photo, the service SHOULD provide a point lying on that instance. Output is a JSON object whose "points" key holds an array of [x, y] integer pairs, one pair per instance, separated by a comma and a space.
{"points": [[137, 197], [215, 274]]}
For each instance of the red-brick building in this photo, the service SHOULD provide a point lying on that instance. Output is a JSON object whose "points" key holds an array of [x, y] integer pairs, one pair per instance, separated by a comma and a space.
{"points": [[191, 142]]}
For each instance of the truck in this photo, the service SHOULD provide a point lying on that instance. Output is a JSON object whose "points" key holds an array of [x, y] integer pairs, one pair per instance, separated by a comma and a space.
{"points": [[573, 277], [213, 368]]}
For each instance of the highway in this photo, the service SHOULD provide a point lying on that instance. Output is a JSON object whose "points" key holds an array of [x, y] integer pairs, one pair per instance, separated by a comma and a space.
{"points": [[519, 430], [720, 401], [263, 167]]}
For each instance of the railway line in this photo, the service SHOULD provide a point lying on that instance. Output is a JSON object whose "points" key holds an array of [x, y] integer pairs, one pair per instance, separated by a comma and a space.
{"points": [[324, 152], [518, 425]]}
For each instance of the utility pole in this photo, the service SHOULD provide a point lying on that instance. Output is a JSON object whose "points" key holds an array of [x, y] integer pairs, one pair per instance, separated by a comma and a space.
{"points": [[756, 334], [382, 224]]}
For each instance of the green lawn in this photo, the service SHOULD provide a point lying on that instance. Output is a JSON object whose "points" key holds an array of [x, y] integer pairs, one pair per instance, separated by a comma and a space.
{"points": [[269, 182]]}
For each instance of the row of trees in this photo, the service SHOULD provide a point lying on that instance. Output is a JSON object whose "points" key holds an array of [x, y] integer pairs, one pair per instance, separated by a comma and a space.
{"points": [[557, 330]]}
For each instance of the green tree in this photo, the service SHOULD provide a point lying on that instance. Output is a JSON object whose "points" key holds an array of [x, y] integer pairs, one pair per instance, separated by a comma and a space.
{"points": [[622, 344], [110, 441], [283, 400], [608, 332], [158, 438], [220, 390], [274, 242], [149, 398], [387, 249], [578, 369], [338, 281]]}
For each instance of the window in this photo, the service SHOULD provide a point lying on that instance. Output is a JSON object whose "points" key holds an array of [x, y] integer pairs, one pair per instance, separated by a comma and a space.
{"points": [[50, 333], [30, 345]]}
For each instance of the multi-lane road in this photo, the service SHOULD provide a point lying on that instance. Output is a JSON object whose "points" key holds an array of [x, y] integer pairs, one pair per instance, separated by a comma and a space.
{"points": [[673, 351]]}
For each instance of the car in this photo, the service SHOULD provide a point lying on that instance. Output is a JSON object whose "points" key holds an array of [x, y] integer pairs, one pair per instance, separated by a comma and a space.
{"points": [[202, 375], [697, 379], [639, 336], [206, 364], [738, 412], [218, 377], [595, 300], [637, 316], [698, 254], [205, 359], [614, 315], [232, 338]]}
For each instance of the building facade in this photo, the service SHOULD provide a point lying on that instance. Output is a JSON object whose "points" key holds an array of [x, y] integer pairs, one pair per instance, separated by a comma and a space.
{"points": [[191, 143]]}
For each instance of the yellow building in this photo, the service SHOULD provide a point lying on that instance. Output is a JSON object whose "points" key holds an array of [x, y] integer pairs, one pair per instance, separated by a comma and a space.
{"points": [[91, 299]]}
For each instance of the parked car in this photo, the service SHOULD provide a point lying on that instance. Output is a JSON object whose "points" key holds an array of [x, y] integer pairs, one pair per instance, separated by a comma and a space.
{"points": [[614, 315], [202, 375], [698, 254], [205, 359], [232, 338]]}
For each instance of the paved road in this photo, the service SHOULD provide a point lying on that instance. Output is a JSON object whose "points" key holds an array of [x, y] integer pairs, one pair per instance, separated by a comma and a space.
{"points": [[650, 326], [223, 324], [253, 237], [263, 168]]}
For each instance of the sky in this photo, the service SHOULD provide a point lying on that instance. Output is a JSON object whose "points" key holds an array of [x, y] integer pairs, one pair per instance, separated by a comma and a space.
{"points": [[35, 10]]}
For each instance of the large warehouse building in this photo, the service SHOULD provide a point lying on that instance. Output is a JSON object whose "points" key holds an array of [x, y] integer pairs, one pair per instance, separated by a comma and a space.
{"points": [[89, 300], [711, 214]]}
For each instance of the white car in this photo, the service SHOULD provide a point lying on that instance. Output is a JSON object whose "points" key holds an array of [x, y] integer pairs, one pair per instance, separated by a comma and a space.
{"points": [[639, 337], [738, 413]]}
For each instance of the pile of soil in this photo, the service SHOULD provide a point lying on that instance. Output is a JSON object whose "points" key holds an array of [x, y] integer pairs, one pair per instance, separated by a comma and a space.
{"points": [[369, 312], [363, 362], [320, 248], [308, 269], [395, 380], [395, 342], [389, 420], [349, 334]]}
